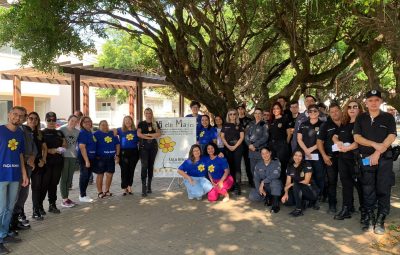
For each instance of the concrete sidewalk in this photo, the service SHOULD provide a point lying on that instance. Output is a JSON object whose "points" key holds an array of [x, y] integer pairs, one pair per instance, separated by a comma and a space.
{"points": [[168, 223]]}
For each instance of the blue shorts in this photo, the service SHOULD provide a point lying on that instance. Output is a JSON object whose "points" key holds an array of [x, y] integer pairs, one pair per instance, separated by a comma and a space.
{"points": [[104, 165]]}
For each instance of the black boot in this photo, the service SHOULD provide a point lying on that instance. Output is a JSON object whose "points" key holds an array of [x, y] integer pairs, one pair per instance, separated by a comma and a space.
{"points": [[36, 214], [343, 214], [41, 210], [369, 222], [275, 205], [363, 215], [238, 190], [53, 208], [144, 188], [380, 224], [149, 191]]}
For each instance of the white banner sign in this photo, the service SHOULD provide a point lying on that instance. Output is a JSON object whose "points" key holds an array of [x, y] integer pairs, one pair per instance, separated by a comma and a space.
{"points": [[177, 136]]}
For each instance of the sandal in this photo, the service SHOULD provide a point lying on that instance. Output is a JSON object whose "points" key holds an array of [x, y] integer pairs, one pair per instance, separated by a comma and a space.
{"points": [[108, 193], [125, 192], [101, 195]]}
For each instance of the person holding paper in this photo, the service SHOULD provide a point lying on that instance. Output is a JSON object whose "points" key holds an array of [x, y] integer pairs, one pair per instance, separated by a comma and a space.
{"points": [[54, 145], [349, 171], [375, 131], [194, 172], [307, 140], [330, 157]]}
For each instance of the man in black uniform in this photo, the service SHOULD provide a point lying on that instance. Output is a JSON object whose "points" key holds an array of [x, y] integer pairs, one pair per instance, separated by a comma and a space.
{"points": [[324, 143], [245, 121], [375, 131]]}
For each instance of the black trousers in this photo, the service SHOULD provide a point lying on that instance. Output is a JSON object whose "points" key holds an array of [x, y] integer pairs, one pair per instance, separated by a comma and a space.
{"points": [[128, 161], [303, 192], [280, 150], [377, 182], [36, 186], [246, 159], [51, 178], [274, 199], [349, 180], [148, 152], [22, 194], [234, 159], [332, 173]]}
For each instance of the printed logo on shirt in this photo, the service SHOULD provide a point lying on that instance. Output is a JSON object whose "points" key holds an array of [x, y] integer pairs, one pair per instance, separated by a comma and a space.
{"points": [[12, 144], [201, 168], [316, 129], [94, 139], [211, 168], [382, 126], [107, 139], [301, 174], [201, 134], [129, 137], [279, 125]]}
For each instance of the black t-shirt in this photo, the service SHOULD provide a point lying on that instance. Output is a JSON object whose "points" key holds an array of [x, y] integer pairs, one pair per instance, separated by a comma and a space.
{"points": [[232, 132], [327, 130], [345, 135], [374, 129], [291, 121], [309, 132], [298, 174], [53, 138], [245, 121], [147, 128], [277, 130]]}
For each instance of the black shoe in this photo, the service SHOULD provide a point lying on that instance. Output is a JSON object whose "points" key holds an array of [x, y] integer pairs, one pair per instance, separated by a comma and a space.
{"points": [[22, 218], [149, 191], [42, 211], [297, 213], [3, 249], [275, 209], [369, 222], [36, 214], [144, 190], [21, 226], [11, 239], [332, 209], [380, 224], [53, 209], [343, 214]]}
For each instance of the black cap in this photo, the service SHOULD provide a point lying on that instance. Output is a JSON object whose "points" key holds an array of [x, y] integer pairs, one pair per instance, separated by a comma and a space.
{"points": [[50, 115], [373, 93]]}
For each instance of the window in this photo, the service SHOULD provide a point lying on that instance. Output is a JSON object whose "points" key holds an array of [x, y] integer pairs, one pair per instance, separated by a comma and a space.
{"points": [[106, 106]]}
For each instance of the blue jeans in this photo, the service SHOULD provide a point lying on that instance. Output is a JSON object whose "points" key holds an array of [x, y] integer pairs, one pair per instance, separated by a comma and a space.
{"points": [[84, 176], [318, 174], [8, 197], [201, 187]]}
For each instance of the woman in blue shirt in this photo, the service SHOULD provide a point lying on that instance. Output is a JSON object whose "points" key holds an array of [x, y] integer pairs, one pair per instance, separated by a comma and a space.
{"points": [[218, 172], [86, 156], [129, 155], [194, 174], [107, 152], [206, 133]]}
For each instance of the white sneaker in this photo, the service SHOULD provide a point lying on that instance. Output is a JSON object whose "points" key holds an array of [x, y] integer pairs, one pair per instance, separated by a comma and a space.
{"points": [[85, 199]]}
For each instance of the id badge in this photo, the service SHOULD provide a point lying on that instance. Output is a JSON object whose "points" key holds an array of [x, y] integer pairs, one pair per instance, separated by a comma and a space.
{"points": [[365, 162]]}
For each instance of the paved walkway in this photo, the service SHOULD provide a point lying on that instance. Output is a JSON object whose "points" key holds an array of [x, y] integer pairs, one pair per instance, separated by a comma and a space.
{"points": [[168, 223]]}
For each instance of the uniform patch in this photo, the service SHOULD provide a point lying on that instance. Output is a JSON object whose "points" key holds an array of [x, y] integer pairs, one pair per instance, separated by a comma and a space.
{"points": [[301, 174], [316, 129], [279, 125]]}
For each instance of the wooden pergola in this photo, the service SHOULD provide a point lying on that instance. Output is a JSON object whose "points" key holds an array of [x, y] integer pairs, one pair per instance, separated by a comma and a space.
{"points": [[77, 75]]}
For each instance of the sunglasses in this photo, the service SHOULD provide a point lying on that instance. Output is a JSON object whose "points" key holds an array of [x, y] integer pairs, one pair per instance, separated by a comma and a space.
{"points": [[32, 118], [312, 111], [232, 114], [51, 120], [352, 107]]}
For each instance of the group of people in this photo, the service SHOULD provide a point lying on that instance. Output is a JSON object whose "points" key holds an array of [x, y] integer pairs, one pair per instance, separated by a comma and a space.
{"points": [[297, 158], [290, 157]]}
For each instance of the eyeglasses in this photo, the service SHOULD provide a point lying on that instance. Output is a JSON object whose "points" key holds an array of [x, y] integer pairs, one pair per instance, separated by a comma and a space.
{"points": [[51, 120], [32, 118], [312, 111], [352, 107]]}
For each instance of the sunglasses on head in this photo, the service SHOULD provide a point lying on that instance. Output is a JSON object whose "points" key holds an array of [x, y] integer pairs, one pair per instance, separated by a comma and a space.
{"points": [[51, 120], [312, 111], [352, 107]]}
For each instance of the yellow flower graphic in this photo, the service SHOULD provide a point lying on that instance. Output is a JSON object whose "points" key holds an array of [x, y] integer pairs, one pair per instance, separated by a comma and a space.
{"points": [[211, 168], [201, 133], [166, 144], [200, 168], [94, 139], [13, 144], [129, 137], [107, 139]]}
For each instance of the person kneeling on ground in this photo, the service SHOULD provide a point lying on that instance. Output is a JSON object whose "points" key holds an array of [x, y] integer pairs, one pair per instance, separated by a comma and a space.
{"points": [[194, 174], [268, 185], [218, 172], [298, 180]]}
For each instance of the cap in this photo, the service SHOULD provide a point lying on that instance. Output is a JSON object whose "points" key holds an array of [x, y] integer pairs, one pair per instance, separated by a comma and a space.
{"points": [[51, 115], [373, 93]]}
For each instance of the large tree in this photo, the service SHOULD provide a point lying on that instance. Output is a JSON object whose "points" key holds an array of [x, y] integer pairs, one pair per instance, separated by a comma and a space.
{"points": [[216, 52]]}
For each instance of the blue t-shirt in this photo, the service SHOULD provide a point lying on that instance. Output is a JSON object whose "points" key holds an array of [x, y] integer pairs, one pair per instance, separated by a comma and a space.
{"points": [[196, 169], [106, 143], [87, 138], [216, 167], [205, 135], [128, 139], [11, 146]]}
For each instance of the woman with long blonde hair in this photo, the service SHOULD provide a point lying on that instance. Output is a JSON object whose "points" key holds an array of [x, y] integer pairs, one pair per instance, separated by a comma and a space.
{"points": [[148, 131]]}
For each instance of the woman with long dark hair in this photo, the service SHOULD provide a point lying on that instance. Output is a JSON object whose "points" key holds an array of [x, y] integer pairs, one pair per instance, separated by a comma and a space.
{"points": [[206, 133], [219, 122], [194, 173], [348, 166], [148, 131], [129, 155], [298, 181]]}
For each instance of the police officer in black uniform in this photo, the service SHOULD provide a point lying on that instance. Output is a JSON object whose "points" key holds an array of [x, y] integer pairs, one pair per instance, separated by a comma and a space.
{"points": [[327, 131], [375, 131], [244, 122]]}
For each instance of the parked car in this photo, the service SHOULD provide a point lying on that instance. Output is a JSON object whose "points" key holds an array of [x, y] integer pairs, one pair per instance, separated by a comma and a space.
{"points": [[61, 122]]}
